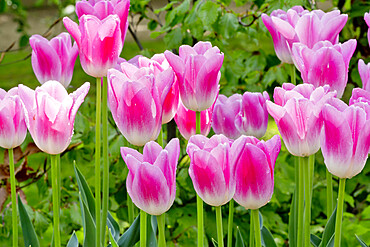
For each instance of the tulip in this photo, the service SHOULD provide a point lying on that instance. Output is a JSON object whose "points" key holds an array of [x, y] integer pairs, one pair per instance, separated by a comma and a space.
{"points": [[361, 98], [186, 121], [253, 117], [99, 42], [102, 8], [135, 99], [364, 70], [367, 20], [198, 73], [325, 64], [151, 181], [50, 114]]}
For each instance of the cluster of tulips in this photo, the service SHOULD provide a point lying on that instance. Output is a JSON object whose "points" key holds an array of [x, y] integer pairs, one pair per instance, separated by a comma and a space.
{"points": [[145, 93]]}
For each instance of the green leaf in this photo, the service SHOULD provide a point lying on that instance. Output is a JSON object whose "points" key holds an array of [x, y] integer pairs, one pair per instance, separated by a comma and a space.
{"points": [[239, 239], [214, 242], [329, 229], [362, 243], [208, 13], [29, 234], [152, 25], [132, 235], [85, 191], [228, 25], [173, 39], [266, 238], [112, 240], [113, 226], [88, 225], [315, 240], [73, 241], [152, 231], [293, 221], [331, 242]]}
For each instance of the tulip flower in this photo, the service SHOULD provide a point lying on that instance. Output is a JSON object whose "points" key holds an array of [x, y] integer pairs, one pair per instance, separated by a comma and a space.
{"points": [[54, 59], [297, 114], [325, 64], [135, 99], [102, 8], [367, 20], [50, 114], [253, 117], [364, 70], [151, 181], [186, 121], [99, 42], [198, 73], [224, 113], [361, 98]]}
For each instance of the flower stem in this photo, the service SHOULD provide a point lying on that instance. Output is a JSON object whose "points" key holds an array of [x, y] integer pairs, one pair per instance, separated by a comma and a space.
{"points": [[293, 74], [131, 209], [200, 220], [161, 229], [105, 160], [160, 137], [338, 220], [329, 194], [220, 235], [14, 197], [307, 201], [251, 230], [143, 222], [197, 123], [257, 231], [54, 185], [300, 202], [97, 162], [311, 162], [230, 224]]}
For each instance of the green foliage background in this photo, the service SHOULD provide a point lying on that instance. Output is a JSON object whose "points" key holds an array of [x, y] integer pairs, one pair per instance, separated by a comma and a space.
{"points": [[250, 65]]}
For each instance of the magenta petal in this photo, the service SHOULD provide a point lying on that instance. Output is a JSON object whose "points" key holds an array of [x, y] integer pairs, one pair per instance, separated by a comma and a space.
{"points": [[308, 29], [364, 70], [73, 29], [151, 151], [283, 27], [125, 152]]}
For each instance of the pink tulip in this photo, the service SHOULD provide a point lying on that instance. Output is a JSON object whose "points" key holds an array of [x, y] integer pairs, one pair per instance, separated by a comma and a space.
{"points": [[254, 163], [364, 70], [281, 45], [224, 113], [325, 64], [198, 73], [151, 181], [102, 8], [253, 117], [13, 127], [54, 59], [361, 98], [50, 114], [297, 113], [135, 98], [186, 121], [99, 42], [210, 168], [345, 141], [367, 20]]}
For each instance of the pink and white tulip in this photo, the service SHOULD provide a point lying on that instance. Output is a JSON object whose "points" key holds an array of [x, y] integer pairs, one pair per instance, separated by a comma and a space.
{"points": [[297, 113], [364, 70], [367, 20], [13, 129], [210, 168], [50, 114], [325, 64], [198, 73], [254, 162], [151, 181], [54, 59], [103, 8], [345, 140], [361, 98], [186, 121], [99, 42]]}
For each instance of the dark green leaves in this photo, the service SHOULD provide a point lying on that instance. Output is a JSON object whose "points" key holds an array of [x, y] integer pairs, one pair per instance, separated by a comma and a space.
{"points": [[29, 234]]}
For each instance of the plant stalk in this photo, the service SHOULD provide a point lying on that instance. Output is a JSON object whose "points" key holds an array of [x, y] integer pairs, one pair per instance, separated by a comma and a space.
{"points": [[300, 202], [257, 231], [54, 185], [131, 209], [97, 163], [220, 235], [161, 230], [14, 197], [251, 230], [230, 224], [143, 225], [160, 138], [293, 74], [329, 194], [307, 201], [200, 218], [338, 220]]}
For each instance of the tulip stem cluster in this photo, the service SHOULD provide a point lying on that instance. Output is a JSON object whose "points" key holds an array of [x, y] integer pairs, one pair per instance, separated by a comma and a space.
{"points": [[14, 197], [54, 185], [329, 194], [256, 223], [338, 220], [161, 230], [307, 201], [230, 223], [251, 230], [143, 226], [220, 235], [300, 201], [97, 162]]}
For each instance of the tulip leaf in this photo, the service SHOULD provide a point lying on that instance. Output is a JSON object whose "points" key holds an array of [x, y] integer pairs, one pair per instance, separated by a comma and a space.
{"points": [[315, 240], [239, 240], [329, 229], [362, 243], [113, 226], [331, 242], [152, 231], [113, 242], [261, 219], [214, 242], [73, 241], [88, 225], [132, 235], [293, 220], [29, 234], [266, 238], [85, 191]]}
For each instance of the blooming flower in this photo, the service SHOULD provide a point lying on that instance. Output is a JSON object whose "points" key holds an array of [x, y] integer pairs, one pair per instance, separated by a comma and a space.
{"points": [[364, 70]]}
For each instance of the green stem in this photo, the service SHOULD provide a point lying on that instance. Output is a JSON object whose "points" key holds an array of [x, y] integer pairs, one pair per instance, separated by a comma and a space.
{"points": [[197, 123], [54, 185], [307, 207], [14, 197], [143, 222], [311, 161], [251, 230], [257, 231], [131, 212], [338, 220], [220, 235], [161, 229], [200, 221], [160, 137], [293, 74], [59, 169], [300, 202], [105, 160], [230, 224], [97, 163], [329, 194]]}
